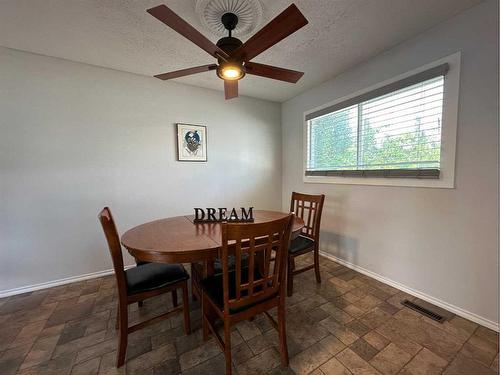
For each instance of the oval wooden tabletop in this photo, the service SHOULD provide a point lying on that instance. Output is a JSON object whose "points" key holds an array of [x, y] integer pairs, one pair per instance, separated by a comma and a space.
{"points": [[179, 240]]}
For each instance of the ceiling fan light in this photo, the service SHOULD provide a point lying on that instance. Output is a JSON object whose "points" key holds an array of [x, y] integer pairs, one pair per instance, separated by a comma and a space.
{"points": [[230, 71]]}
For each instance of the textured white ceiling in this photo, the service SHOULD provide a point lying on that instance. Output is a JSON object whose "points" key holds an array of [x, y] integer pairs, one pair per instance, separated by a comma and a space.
{"points": [[119, 34]]}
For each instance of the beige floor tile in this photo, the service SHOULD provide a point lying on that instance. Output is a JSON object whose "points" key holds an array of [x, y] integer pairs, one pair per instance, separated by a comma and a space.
{"points": [[40, 352], [483, 343], [341, 285], [358, 328], [310, 359], [487, 334], [79, 344], [260, 364], [457, 326], [148, 360], [260, 343], [338, 314], [334, 367], [368, 303], [338, 330], [376, 340], [375, 318], [96, 350], [241, 353], [425, 363], [462, 365], [198, 355], [355, 363], [480, 354], [248, 329], [108, 365], [89, 367], [29, 333], [392, 333], [10, 360], [354, 311], [351, 297], [61, 365], [495, 365], [425, 334], [363, 349], [390, 360], [305, 334]]}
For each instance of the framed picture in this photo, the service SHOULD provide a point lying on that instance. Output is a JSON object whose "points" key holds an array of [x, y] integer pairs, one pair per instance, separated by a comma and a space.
{"points": [[191, 142]]}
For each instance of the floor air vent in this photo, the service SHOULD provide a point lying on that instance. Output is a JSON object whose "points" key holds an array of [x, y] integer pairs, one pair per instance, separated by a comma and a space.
{"points": [[422, 310]]}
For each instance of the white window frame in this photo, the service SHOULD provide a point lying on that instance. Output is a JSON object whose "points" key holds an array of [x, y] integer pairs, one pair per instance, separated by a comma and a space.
{"points": [[448, 133]]}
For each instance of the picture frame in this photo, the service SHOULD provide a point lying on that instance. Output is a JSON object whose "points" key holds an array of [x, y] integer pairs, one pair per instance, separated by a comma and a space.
{"points": [[191, 142]]}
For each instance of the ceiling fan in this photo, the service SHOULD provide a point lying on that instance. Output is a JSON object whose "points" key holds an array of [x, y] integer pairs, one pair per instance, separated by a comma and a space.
{"points": [[233, 56]]}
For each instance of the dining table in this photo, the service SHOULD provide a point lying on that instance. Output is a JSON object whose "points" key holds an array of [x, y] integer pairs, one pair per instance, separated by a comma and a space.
{"points": [[181, 239]]}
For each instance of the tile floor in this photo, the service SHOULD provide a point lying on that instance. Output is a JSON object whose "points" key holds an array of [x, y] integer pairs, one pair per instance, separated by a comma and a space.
{"points": [[349, 324]]}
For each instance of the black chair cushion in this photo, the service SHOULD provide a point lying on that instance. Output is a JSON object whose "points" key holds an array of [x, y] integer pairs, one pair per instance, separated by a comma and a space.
{"points": [[231, 263], [213, 286], [152, 276], [140, 262], [300, 243]]}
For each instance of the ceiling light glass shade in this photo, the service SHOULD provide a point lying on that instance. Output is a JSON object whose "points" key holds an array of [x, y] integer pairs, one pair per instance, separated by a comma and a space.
{"points": [[230, 71]]}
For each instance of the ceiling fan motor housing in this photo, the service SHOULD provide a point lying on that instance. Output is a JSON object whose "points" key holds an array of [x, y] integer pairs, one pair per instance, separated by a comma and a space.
{"points": [[228, 44]]}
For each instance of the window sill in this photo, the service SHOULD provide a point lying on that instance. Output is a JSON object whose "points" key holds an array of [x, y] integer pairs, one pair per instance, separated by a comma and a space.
{"points": [[429, 173], [442, 183]]}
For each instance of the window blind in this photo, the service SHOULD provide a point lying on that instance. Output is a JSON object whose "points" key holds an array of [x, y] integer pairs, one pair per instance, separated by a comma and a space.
{"points": [[393, 131]]}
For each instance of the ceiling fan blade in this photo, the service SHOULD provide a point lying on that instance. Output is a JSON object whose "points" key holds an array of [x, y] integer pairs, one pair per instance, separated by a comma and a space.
{"points": [[186, 72], [286, 23], [231, 89], [273, 72], [172, 20]]}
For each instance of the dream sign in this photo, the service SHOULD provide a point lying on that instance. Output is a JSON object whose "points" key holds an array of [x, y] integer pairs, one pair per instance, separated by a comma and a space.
{"points": [[210, 215]]}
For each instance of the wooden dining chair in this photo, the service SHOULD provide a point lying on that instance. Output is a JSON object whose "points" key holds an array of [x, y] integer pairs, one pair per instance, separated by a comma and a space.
{"points": [[139, 283], [309, 208], [242, 292]]}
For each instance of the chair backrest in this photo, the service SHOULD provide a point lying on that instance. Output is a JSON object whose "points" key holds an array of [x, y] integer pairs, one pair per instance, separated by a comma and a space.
{"points": [[309, 208], [266, 271], [115, 249]]}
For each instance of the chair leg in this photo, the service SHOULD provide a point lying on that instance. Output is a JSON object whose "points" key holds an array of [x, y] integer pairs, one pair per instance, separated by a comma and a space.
{"points": [[174, 298], [117, 324], [204, 317], [193, 287], [185, 308], [227, 347], [282, 335], [289, 277], [193, 291], [316, 265], [123, 335], [140, 303]]}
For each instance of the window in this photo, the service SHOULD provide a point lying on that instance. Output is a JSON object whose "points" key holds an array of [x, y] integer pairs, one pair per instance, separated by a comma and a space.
{"points": [[392, 131]]}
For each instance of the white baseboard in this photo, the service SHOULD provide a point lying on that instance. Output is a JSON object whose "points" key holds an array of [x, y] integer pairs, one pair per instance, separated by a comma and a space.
{"points": [[452, 308], [50, 284]]}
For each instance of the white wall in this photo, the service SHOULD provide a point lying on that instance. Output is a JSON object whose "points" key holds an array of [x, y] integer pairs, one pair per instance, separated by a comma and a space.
{"points": [[439, 242], [75, 137]]}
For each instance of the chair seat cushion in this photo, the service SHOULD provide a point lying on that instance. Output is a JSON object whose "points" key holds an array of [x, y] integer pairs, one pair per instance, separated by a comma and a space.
{"points": [[214, 289], [300, 243], [231, 263], [152, 276]]}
